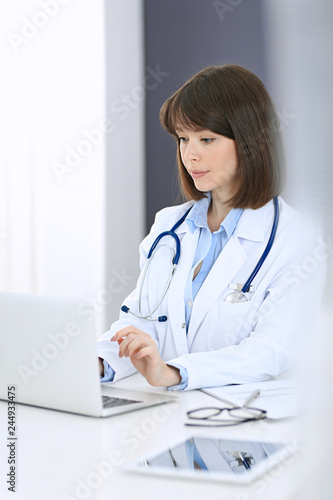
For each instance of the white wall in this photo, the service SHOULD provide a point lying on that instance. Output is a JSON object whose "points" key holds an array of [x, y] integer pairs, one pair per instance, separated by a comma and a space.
{"points": [[125, 182], [62, 191]]}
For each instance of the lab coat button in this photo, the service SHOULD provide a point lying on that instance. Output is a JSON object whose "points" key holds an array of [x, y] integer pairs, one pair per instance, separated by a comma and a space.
{"points": [[184, 325], [190, 303]]}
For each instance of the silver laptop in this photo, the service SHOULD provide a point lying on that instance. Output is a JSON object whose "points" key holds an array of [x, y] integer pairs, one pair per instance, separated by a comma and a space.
{"points": [[48, 359]]}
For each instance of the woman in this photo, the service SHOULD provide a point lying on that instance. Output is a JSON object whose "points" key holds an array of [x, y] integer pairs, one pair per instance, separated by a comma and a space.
{"points": [[231, 166]]}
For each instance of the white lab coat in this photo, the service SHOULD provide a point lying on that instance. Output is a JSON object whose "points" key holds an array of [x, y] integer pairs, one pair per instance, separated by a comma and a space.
{"points": [[226, 342]]}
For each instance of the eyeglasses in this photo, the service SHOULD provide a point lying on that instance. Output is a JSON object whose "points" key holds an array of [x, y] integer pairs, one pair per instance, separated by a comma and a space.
{"points": [[211, 416]]}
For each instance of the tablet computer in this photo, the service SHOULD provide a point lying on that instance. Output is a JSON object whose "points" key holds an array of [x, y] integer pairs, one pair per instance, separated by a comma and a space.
{"points": [[231, 460]]}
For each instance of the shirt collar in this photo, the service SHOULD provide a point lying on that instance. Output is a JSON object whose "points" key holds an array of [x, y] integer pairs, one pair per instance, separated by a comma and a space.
{"points": [[197, 218], [198, 214]]}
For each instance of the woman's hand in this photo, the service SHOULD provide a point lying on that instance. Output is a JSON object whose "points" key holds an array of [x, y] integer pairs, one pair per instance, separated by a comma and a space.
{"points": [[142, 351], [101, 367]]}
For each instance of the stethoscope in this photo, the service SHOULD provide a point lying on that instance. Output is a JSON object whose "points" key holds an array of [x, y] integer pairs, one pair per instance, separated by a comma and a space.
{"points": [[240, 289]]}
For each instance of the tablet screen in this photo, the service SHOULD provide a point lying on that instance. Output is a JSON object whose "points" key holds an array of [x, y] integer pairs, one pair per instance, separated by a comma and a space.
{"points": [[236, 460]]}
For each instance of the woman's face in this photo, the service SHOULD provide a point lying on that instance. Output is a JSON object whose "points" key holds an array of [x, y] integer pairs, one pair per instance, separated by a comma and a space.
{"points": [[211, 160]]}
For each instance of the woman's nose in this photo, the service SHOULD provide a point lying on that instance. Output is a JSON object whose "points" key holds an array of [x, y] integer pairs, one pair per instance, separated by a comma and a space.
{"points": [[191, 152]]}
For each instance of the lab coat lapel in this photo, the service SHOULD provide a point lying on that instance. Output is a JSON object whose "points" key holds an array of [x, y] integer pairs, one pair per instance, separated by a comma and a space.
{"points": [[226, 266], [177, 288], [251, 226]]}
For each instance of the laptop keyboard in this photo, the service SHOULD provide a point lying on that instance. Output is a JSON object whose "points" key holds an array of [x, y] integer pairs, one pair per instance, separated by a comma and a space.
{"points": [[111, 402]]}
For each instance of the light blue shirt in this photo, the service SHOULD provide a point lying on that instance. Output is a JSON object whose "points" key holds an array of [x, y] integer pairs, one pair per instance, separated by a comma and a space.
{"points": [[208, 249]]}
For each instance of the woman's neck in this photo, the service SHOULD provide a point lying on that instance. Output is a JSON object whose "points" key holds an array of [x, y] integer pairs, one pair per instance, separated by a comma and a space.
{"points": [[216, 214]]}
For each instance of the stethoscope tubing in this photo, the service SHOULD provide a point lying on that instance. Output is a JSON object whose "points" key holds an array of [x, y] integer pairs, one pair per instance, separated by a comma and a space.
{"points": [[147, 317], [267, 249], [176, 257]]}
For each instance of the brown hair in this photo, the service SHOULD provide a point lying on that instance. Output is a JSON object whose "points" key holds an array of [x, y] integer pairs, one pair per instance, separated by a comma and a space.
{"points": [[231, 101]]}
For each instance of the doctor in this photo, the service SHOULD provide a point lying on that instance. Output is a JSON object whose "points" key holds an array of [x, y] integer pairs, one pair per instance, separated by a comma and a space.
{"points": [[200, 330]]}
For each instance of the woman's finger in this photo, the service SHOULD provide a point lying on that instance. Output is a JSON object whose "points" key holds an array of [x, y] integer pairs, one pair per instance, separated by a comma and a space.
{"points": [[144, 352], [135, 344], [124, 343], [124, 332]]}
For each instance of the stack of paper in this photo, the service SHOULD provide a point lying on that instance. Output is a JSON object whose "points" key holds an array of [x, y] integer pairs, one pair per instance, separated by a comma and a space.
{"points": [[280, 398]]}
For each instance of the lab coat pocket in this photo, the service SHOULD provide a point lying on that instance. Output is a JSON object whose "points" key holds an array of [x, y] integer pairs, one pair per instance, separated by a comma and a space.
{"points": [[231, 322]]}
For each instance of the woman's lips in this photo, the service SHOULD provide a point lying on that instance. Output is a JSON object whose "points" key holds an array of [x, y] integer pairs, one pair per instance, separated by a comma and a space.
{"points": [[196, 174]]}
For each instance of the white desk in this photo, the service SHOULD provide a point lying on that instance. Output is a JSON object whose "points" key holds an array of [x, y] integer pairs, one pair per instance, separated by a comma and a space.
{"points": [[55, 451]]}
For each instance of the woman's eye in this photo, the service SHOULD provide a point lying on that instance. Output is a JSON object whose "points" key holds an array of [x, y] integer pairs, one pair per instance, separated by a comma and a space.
{"points": [[182, 139], [206, 140]]}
